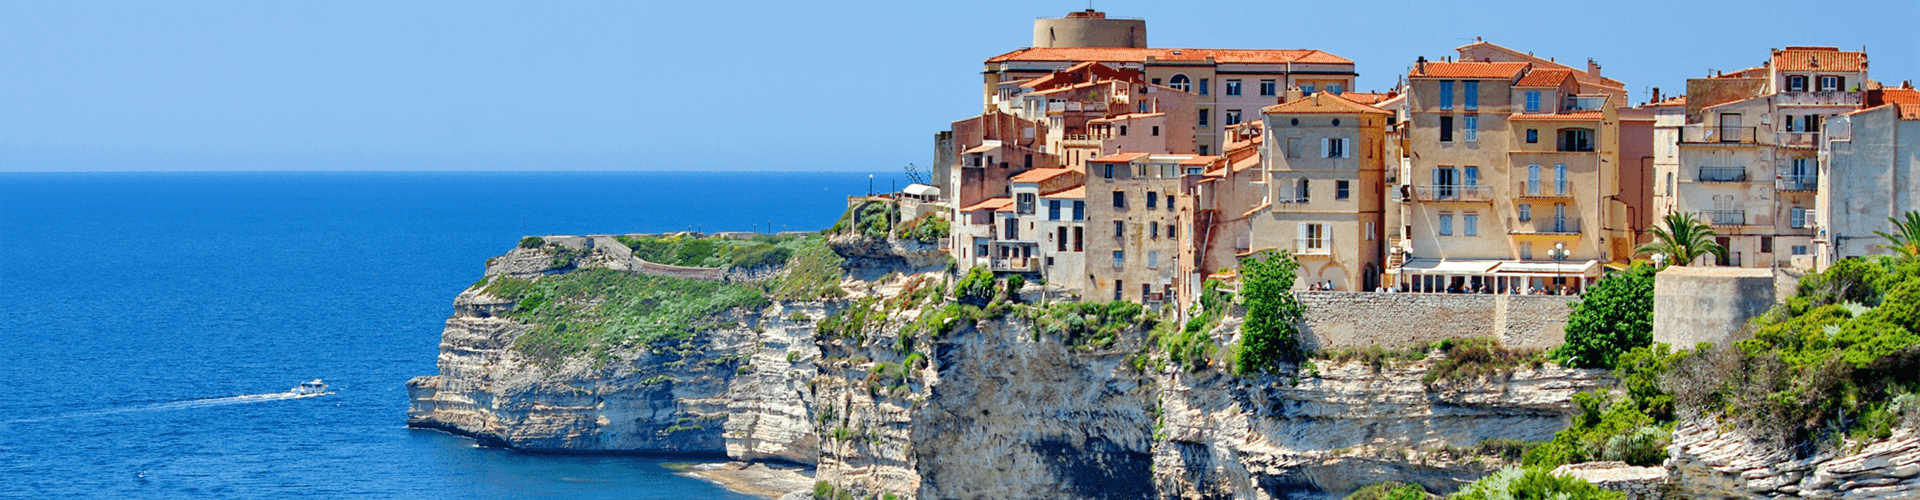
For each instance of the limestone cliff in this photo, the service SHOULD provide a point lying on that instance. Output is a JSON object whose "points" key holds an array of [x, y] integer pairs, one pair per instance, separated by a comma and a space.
{"points": [[902, 403], [1715, 462]]}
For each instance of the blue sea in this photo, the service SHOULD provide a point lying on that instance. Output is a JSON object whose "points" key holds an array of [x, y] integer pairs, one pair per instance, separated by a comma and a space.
{"points": [[148, 320]]}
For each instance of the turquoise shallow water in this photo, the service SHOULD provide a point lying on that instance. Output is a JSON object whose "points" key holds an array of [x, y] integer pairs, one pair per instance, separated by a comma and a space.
{"points": [[143, 317]]}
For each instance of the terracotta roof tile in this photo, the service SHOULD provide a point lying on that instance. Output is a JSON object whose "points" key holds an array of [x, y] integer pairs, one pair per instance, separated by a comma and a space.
{"points": [[1120, 157], [1041, 174], [1323, 103], [1123, 54], [995, 204], [1072, 192], [1544, 78], [1680, 100], [1576, 115], [1817, 59], [1909, 111], [1199, 160], [1468, 70], [1895, 95], [1368, 98]]}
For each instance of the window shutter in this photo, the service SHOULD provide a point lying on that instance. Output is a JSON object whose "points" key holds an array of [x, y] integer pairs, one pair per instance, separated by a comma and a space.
{"points": [[1324, 144], [1842, 81], [1302, 234]]}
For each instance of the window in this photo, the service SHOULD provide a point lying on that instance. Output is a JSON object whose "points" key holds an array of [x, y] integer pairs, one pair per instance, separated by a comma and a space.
{"points": [[1525, 212], [1153, 261], [1470, 124], [1446, 224], [1313, 237], [1156, 81], [1335, 88], [1079, 235], [1156, 131], [1472, 177], [1302, 191], [1119, 199], [1293, 147], [1796, 83], [1446, 129], [1268, 88], [1153, 199], [1180, 83], [1471, 95], [1533, 136], [1446, 94], [1203, 86], [1123, 130], [1029, 163], [1053, 211], [1340, 189], [1079, 210], [1117, 284], [1204, 150], [1576, 139], [1830, 83], [1233, 87], [1169, 198], [1013, 228], [1170, 232], [1153, 230], [1119, 229], [1766, 244], [1306, 87], [1332, 147], [1142, 106], [1799, 218], [1799, 249], [1062, 240], [1024, 203], [1233, 117], [1444, 182], [1559, 217], [1203, 119], [1119, 261], [1369, 231], [1533, 100], [1560, 179], [1526, 250], [1108, 172], [1470, 224], [1669, 183]]}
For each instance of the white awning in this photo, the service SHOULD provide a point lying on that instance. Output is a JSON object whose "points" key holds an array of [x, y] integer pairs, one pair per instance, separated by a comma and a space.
{"points": [[1447, 267], [1585, 268], [921, 190]]}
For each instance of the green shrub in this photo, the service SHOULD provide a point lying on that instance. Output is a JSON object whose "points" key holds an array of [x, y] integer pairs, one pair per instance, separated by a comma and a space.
{"points": [[822, 490], [532, 242], [976, 288], [1478, 357], [1532, 483], [927, 228], [812, 273], [1612, 317], [597, 310], [1270, 334], [1390, 490]]}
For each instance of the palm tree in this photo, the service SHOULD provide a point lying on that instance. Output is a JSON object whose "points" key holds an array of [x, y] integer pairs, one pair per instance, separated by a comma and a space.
{"points": [[1905, 239], [1683, 240]]}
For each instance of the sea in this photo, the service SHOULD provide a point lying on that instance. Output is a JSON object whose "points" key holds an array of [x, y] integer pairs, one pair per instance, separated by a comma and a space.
{"points": [[151, 324]]}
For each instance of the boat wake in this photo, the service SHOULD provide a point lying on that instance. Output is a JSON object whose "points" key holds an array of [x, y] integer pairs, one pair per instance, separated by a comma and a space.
{"points": [[177, 405]]}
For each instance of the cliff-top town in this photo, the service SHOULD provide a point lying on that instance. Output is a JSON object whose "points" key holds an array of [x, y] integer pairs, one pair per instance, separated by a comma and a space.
{"points": [[1118, 170]]}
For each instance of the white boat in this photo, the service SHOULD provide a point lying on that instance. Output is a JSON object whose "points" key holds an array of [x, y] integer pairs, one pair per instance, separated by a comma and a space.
{"points": [[311, 388]]}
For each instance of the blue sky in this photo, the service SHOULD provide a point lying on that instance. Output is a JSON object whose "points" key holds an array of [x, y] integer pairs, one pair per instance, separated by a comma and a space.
{"points": [[348, 85]]}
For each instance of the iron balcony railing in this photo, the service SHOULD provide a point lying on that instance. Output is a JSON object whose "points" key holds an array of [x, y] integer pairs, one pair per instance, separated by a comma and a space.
{"points": [[1799, 183], [1545, 189], [1544, 225], [1711, 134], [1723, 174], [1452, 192], [1725, 217]]}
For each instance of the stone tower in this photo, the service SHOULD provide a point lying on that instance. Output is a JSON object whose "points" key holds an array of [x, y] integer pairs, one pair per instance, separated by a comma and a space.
{"points": [[1089, 28]]}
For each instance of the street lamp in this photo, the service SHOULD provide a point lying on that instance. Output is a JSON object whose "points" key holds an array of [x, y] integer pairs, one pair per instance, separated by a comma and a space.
{"points": [[1658, 259], [1559, 253]]}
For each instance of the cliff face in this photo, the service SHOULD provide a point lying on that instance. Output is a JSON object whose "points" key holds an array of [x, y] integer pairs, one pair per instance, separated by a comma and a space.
{"points": [[1712, 462], [986, 410]]}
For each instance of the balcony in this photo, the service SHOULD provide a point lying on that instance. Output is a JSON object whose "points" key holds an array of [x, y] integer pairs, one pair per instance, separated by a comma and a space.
{"points": [[1154, 298], [1825, 98], [1016, 265], [1798, 183], [1544, 225], [1072, 106], [1808, 140], [1080, 141], [1313, 246], [1452, 192], [1708, 134], [1725, 217], [1723, 174], [1544, 189]]}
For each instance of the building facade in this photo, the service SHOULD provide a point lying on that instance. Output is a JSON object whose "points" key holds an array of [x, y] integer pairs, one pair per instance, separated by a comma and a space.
{"points": [[1325, 177]]}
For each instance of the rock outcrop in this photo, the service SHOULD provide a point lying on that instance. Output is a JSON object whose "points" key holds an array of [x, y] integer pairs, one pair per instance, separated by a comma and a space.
{"points": [[1716, 462]]}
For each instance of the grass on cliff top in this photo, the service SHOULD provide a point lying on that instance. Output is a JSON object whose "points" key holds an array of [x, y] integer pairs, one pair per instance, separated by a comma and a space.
{"points": [[689, 251], [596, 310]]}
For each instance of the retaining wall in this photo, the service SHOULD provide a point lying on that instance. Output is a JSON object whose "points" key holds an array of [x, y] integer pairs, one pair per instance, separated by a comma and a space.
{"points": [[1345, 320]]}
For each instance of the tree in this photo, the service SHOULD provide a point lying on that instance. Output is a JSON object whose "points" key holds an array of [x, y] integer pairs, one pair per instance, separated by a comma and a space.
{"points": [[1611, 318], [1683, 240], [1270, 334], [1904, 241]]}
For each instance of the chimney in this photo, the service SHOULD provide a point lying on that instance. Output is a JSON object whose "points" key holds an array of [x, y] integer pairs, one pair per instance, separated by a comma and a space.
{"points": [[1656, 95], [1422, 64], [1293, 94], [1593, 68]]}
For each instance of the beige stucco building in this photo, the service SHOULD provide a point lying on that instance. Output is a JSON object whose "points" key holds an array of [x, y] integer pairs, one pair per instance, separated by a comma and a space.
{"points": [[1871, 172], [1749, 152], [1139, 219], [1325, 167]]}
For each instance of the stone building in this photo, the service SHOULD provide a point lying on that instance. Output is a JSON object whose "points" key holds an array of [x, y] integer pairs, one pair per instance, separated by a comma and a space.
{"points": [[1138, 222], [1871, 173], [1325, 168]]}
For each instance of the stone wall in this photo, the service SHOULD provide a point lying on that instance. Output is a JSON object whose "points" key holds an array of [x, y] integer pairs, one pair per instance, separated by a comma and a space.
{"points": [[1344, 320], [1694, 304]]}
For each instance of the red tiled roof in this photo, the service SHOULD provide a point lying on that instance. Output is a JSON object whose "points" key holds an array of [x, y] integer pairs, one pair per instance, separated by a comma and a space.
{"points": [[1909, 111], [1544, 78], [1468, 70], [1072, 192], [1818, 59], [1576, 115], [1040, 174], [1120, 157], [995, 204], [1198, 160], [1123, 54], [1680, 100], [1893, 95], [980, 149], [1128, 116], [1323, 103], [1368, 98]]}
